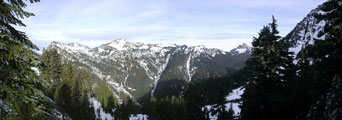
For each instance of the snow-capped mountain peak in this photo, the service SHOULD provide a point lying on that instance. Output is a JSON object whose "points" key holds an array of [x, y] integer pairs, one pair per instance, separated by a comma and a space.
{"points": [[118, 44], [243, 48]]}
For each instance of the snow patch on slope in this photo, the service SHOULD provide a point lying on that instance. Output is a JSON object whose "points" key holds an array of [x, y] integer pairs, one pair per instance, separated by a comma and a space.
{"points": [[160, 71], [119, 88], [97, 106], [138, 117], [307, 32], [188, 62], [235, 95], [231, 101]]}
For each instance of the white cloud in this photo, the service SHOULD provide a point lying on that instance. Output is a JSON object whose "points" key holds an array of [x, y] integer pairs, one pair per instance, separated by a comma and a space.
{"points": [[216, 23]]}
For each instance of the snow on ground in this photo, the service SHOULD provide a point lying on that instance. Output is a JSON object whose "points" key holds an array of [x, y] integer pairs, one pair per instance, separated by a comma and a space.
{"points": [[97, 106], [138, 117], [234, 95], [160, 71], [210, 107], [188, 62]]}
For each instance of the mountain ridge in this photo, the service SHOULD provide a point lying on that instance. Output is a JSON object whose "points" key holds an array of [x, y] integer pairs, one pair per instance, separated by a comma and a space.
{"points": [[135, 69]]}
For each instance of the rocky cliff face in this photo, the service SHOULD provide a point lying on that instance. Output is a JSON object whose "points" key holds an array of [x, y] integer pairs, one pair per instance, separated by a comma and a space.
{"points": [[306, 31]]}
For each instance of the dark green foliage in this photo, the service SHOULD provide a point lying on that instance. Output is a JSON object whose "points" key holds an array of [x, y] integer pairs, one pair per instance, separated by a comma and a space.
{"points": [[112, 103], [167, 88], [209, 91], [63, 96], [173, 108], [73, 93], [105, 96], [20, 88], [51, 70], [125, 109], [271, 71], [72, 86]]}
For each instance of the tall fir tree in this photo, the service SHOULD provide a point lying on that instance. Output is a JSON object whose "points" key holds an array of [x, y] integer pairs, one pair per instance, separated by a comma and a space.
{"points": [[63, 94], [271, 69], [76, 95], [20, 88], [51, 70]]}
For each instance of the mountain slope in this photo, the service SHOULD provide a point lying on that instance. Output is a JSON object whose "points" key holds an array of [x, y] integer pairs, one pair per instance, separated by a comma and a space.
{"points": [[306, 31], [139, 70]]}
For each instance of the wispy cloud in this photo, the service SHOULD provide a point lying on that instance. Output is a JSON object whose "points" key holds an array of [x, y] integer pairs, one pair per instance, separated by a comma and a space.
{"points": [[216, 23]]}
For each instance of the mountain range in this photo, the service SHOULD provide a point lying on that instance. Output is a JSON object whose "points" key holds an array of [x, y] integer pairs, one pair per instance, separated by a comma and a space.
{"points": [[140, 70]]}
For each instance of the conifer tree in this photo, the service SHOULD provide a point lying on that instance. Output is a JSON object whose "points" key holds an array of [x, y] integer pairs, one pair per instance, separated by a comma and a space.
{"points": [[63, 96], [76, 94], [151, 109], [20, 88], [51, 70], [112, 104], [271, 69], [87, 109]]}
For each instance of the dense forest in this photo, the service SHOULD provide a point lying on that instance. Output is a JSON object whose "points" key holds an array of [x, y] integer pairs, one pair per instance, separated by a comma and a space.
{"points": [[278, 84]]}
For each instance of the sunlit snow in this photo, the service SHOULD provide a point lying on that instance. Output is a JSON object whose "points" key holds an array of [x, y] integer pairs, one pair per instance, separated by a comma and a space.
{"points": [[97, 106]]}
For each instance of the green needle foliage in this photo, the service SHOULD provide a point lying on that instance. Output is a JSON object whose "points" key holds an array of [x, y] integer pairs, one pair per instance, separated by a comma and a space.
{"points": [[271, 71], [20, 88]]}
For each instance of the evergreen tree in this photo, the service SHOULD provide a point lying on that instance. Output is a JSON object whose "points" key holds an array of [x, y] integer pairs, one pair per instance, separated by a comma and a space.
{"points": [[195, 101], [105, 95], [87, 109], [271, 70], [51, 70], [150, 109], [112, 104], [20, 88], [126, 109], [76, 94], [63, 96]]}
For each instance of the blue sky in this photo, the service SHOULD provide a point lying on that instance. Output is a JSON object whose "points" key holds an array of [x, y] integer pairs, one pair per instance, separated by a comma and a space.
{"points": [[222, 24]]}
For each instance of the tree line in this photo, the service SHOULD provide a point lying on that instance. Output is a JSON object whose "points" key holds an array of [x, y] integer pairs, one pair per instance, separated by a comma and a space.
{"points": [[68, 86]]}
